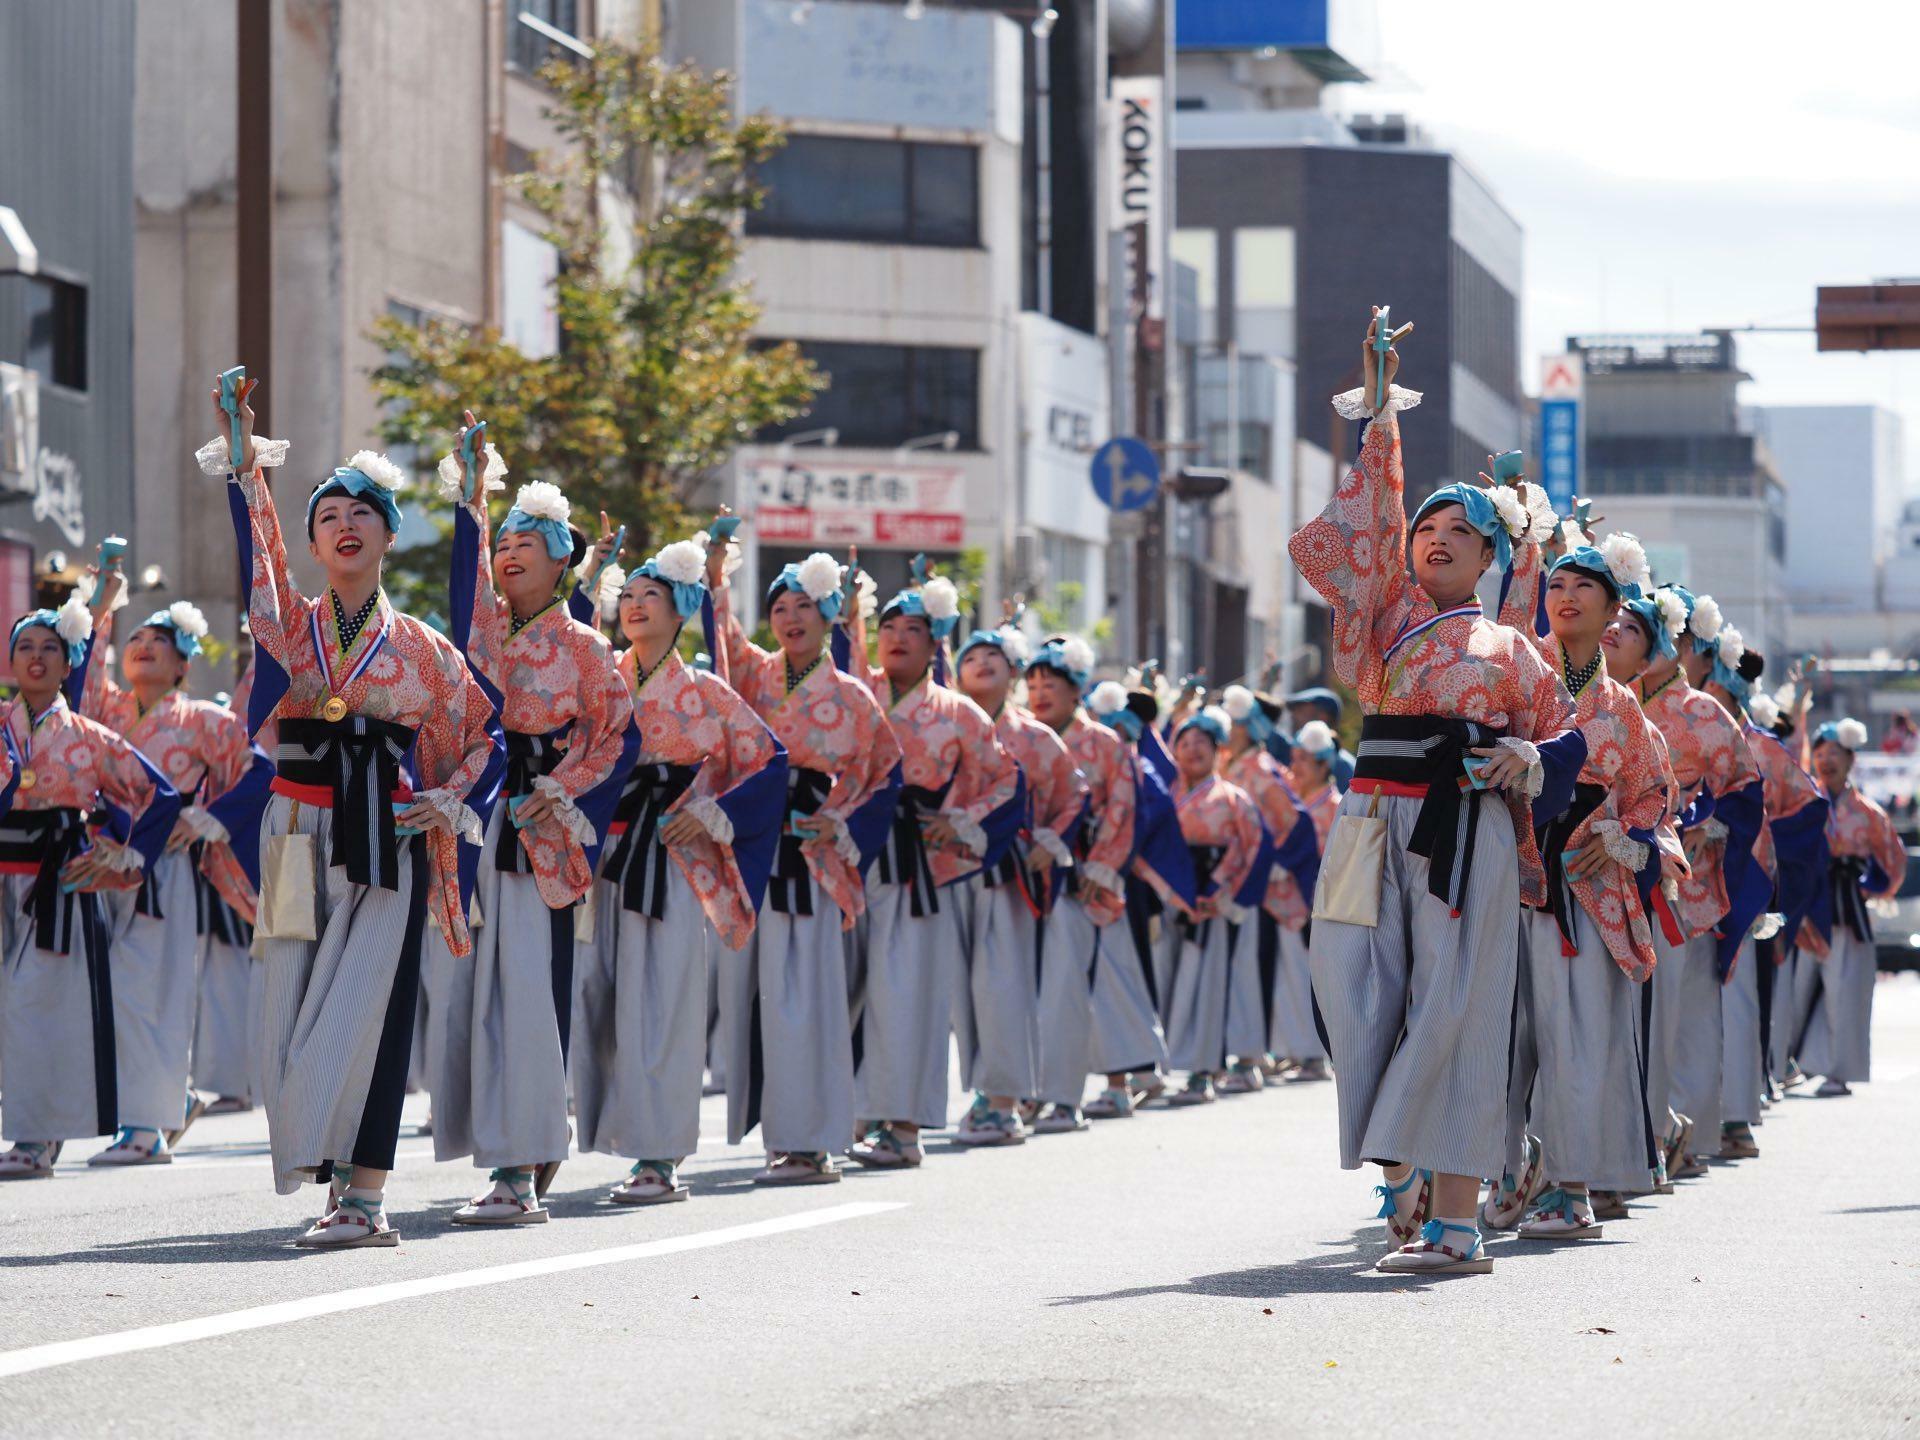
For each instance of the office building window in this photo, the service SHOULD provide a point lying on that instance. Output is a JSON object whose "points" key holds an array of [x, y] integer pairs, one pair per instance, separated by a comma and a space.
{"points": [[1263, 292], [528, 268], [528, 48], [885, 395], [1199, 250], [1486, 325], [56, 312], [896, 192]]}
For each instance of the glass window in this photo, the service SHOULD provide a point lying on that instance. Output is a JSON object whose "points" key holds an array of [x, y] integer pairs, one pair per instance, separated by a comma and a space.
{"points": [[880, 396], [829, 187], [527, 48], [57, 331], [528, 268]]}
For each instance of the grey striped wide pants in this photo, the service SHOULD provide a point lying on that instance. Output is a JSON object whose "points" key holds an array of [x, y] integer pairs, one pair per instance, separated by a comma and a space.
{"points": [[1420, 1008]]}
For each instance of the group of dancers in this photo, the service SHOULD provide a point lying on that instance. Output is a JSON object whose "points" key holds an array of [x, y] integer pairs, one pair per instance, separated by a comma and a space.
{"points": [[1557, 927]]}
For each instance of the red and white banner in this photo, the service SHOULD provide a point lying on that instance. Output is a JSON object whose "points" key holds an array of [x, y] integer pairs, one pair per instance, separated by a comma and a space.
{"points": [[888, 506]]}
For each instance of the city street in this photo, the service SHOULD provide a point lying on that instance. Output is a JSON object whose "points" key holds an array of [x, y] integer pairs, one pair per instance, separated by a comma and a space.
{"points": [[1195, 1272]]}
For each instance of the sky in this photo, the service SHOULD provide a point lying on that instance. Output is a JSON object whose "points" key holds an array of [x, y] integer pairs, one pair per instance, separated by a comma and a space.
{"points": [[1684, 165]]}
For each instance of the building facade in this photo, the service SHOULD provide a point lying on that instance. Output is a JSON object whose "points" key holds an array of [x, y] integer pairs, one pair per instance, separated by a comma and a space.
{"points": [[1843, 468]]}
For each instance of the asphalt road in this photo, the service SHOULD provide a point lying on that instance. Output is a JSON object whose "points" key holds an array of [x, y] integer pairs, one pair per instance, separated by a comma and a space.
{"points": [[1182, 1273]]}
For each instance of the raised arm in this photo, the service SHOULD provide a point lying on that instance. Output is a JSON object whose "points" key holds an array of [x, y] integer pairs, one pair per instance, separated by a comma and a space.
{"points": [[479, 626]]}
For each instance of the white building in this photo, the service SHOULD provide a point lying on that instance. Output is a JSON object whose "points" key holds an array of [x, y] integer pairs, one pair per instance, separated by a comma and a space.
{"points": [[1842, 466]]}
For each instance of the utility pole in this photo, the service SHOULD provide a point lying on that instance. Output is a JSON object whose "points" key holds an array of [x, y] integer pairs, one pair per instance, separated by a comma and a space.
{"points": [[253, 222], [1152, 549]]}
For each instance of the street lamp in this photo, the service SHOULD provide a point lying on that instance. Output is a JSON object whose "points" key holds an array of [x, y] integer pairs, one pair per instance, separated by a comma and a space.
{"points": [[944, 440], [829, 437]]}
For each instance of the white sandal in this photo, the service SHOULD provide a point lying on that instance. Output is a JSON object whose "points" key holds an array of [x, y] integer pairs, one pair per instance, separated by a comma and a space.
{"points": [[651, 1182], [30, 1160], [126, 1149], [799, 1168], [1560, 1214], [1505, 1207], [515, 1205], [1431, 1255], [352, 1223]]}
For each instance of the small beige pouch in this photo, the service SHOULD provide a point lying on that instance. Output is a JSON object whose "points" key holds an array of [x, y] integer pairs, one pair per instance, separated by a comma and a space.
{"points": [[1349, 887], [289, 909]]}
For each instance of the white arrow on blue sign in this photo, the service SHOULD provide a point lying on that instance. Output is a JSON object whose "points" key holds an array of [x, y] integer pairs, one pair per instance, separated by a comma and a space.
{"points": [[1126, 474]]}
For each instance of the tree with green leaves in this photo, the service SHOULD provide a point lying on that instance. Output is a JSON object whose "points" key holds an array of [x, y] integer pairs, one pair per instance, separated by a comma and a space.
{"points": [[657, 377]]}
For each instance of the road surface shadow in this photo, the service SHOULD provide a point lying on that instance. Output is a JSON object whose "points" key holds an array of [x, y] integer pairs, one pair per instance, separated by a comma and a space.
{"points": [[274, 1242]]}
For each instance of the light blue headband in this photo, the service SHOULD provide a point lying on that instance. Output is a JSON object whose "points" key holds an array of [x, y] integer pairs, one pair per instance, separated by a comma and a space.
{"points": [[1830, 732], [1588, 560], [76, 650], [1123, 720], [995, 639], [1732, 681], [187, 645], [362, 486], [1202, 720], [1258, 724], [912, 602], [687, 594], [555, 532], [1480, 515], [789, 579], [1053, 655], [1643, 609]]}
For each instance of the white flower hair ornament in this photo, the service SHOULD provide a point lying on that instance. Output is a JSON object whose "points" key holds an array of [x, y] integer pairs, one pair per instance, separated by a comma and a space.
{"points": [[1237, 701], [188, 619], [543, 500], [941, 600], [1014, 641], [73, 622], [1626, 561], [1673, 612], [1078, 654], [1109, 698], [493, 475], [1733, 647], [819, 576], [1764, 710], [682, 562], [378, 468], [1707, 619], [1513, 514], [1316, 737], [1851, 734]]}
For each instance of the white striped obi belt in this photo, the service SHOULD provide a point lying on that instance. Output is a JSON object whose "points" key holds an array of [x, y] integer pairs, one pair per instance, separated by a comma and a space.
{"points": [[1422, 757], [1554, 839], [39, 843], [637, 863], [790, 887], [355, 768], [904, 860]]}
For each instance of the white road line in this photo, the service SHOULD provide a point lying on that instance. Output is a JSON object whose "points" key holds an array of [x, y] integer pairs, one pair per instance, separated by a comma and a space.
{"points": [[286, 1312]]}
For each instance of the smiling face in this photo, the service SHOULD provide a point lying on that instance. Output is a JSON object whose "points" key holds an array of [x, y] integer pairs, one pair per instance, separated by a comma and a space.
{"points": [[986, 676], [647, 613], [1195, 753], [906, 647], [151, 656], [1449, 555], [1579, 606], [1832, 764], [350, 540], [39, 664], [1051, 696], [1626, 645], [798, 626], [523, 571]]}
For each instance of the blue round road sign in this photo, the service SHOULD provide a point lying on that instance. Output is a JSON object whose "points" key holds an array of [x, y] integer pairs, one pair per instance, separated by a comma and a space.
{"points": [[1126, 474]]}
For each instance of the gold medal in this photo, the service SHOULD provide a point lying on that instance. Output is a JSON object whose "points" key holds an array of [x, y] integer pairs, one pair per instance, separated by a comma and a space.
{"points": [[334, 711], [28, 779]]}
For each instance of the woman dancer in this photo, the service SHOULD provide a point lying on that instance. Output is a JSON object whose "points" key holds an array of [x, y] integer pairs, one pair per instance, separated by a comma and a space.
{"points": [[1011, 907], [1587, 952], [1833, 997], [956, 814], [384, 753], [1419, 1004], [191, 917], [499, 1022], [1296, 1037], [1288, 900], [1081, 938], [1215, 1011], [58, 1026], [783, 999], [694, 840]]}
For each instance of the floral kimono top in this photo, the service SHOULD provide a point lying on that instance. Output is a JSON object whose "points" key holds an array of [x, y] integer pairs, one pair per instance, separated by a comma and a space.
{"points": [[1857, 828], [1259, 774], [1219, 816], [1056, 791], [203, 750], [1108, 765], [551, 674], [1789, 789], [398, 670], [1400, 653], [687, 718], [829, 723], [1711, 759]]}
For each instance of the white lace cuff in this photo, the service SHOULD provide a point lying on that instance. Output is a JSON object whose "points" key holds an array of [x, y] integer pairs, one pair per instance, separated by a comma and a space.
{"points": [[216, 456], [121, 859], [1054, 846], [1621, 848], [1713, 829], [458, 814], [492, 475], [1529, 752], [712, 818], [970, 834], [1768, 925], [577, 826], [1105, 876], [842, 838], [1352, 404], [203, 825]]}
